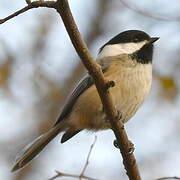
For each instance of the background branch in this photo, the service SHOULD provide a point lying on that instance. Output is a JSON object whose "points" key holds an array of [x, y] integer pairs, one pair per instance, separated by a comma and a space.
{"points": [[169, 178], [144, 12], [31, 5]]}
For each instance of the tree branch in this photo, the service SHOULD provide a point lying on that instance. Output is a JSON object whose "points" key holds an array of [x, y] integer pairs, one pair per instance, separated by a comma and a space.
{"points": [[124, 144], [101, 83], [31, 5]]}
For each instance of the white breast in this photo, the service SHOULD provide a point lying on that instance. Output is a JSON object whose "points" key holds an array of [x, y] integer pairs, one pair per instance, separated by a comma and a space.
{"points": [[132, 87]]}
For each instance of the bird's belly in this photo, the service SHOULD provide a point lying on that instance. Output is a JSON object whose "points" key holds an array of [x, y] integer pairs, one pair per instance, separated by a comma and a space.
{"points": [[128, 94], [128, 104]]}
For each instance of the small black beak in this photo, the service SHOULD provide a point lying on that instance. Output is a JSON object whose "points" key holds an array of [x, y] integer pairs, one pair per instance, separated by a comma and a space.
{"points": [[153, 39]]}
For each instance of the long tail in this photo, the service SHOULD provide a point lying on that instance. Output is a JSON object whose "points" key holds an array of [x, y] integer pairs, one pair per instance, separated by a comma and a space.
{"points": [[34, 148]]}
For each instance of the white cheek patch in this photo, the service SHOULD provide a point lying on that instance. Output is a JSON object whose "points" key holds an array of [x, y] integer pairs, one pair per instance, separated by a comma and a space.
{"points": [[122, 48]]}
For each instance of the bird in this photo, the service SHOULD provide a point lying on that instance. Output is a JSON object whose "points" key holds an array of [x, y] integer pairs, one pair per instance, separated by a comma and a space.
{"points": [[125, 59]]}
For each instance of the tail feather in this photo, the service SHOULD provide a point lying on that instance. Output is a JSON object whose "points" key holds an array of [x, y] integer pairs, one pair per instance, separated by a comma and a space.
{"points": [[34, 148]]}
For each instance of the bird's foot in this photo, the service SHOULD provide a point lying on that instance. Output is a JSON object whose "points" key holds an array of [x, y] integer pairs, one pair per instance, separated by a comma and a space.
{"points": [[110, 84], [130, 148]]}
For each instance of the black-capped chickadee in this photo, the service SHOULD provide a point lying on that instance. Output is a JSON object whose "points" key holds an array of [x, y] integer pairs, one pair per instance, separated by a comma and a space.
{"points": [[127, 60]]}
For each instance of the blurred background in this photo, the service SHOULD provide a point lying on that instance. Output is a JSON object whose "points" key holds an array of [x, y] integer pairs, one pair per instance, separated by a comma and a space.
{"points": [[39, 67]]}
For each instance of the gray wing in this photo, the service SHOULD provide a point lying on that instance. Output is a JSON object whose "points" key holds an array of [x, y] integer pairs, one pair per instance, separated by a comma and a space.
{"points": [[82, 86]]}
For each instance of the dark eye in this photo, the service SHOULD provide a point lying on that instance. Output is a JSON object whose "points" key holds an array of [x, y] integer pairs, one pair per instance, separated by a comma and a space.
{"points": [[135, 40]]}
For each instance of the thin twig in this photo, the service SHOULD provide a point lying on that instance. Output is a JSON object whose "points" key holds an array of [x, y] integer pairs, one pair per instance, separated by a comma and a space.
{"points": [[87, 160], [28, 1], [82, 175], [170, 178], [34, 4], [60, 174], [129, 160]]}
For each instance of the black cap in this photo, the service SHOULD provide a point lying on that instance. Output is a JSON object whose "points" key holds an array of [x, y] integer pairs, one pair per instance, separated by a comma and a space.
{"points": [[127, 37]]}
